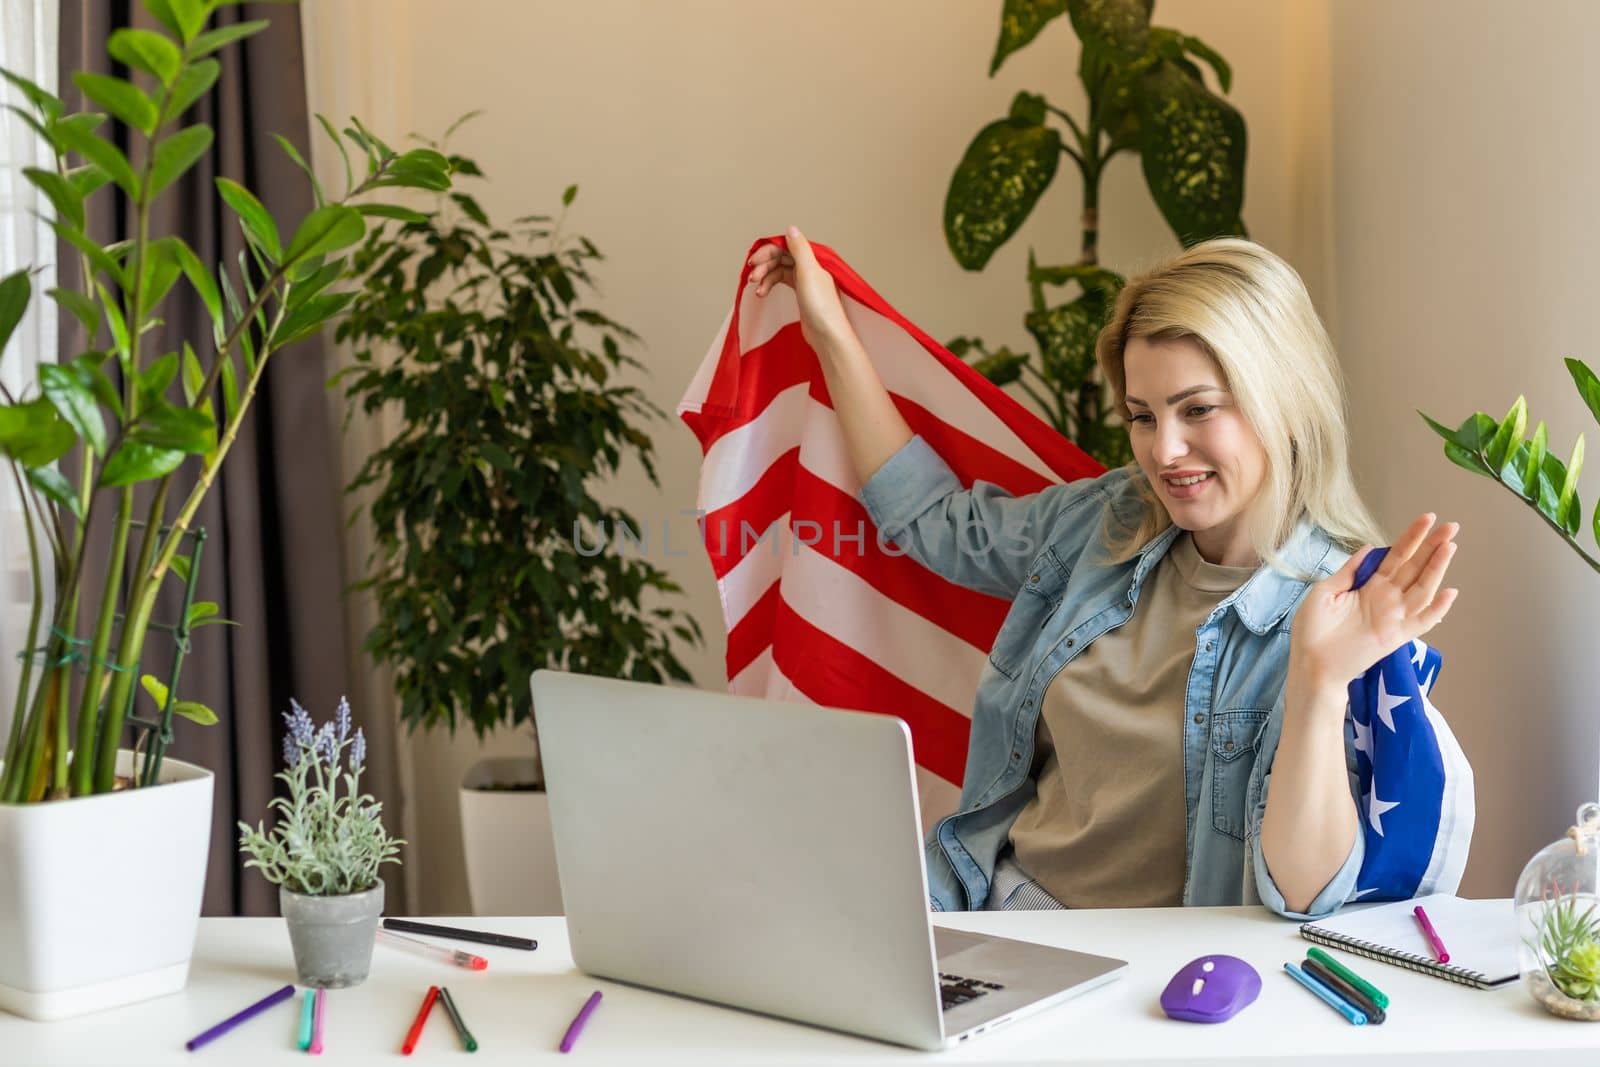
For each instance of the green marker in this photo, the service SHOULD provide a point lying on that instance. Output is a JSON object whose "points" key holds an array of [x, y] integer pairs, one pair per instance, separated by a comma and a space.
{"points": [[306, 1012], [1348, 975], [467, 1040]]}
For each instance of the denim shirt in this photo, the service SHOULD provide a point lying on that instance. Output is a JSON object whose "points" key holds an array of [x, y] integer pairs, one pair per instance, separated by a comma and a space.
{"points": [[1047, 553]]}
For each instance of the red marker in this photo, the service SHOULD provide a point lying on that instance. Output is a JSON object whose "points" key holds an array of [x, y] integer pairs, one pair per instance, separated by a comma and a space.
{"points": [[422, 1017]]}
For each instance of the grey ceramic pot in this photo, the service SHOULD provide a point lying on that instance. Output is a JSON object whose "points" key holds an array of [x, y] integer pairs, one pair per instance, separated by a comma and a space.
{"points": [[332, 936]]}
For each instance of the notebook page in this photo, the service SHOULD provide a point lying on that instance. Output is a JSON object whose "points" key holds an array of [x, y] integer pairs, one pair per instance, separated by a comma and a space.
{"points": [[1480, 935]]}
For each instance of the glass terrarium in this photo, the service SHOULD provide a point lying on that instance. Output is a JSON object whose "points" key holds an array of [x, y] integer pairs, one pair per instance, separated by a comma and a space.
{"points": [[1558, 921]]}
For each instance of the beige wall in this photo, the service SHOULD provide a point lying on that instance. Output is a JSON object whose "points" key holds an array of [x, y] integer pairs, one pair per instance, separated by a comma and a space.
{"points": [[694, 126], [1464, 162]]}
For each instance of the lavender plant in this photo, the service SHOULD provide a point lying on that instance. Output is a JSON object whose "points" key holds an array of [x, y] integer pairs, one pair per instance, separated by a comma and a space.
{"points": [[326, 842]]}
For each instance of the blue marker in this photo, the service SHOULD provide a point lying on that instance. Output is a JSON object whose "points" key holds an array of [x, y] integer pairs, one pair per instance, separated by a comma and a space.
{"points": [[1326, 995]]}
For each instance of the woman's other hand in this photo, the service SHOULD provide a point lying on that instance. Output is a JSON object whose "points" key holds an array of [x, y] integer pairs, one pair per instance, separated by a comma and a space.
{"points": [[1340, 632], [822, 317]]}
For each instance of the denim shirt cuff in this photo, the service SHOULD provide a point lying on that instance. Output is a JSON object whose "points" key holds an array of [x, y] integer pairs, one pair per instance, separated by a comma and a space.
{"points": [[1338, 890], [906, 484]]}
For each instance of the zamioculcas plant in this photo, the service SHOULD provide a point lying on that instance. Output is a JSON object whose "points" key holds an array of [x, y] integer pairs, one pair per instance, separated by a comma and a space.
{"points": [[1496, 449], [1146, 94], [136, 416]]}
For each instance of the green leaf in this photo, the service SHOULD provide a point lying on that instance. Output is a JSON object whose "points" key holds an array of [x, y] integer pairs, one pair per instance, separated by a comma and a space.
{"points": [[195, 712], [99, 381], [34, 433], [15, 291], [1200, 50], [1534, 463], [310, 317], [190, 16], [102, 153], [195, 82], [54, 485], [156, 688], [146, 51], [180, 567], [200, 609], [44, 102], [1066, 335], [123, 99], [134, 461], [165, 425], [222, 36], [568, 195], [327, 229], [391, 211], [1476, 432], [63, 197], [230, 387], [996, 185], [1193, 147], [294, 153], [154, 379], [86, 179], [1120, 28], [205, 286], [176, 154], [68, 388], [1588, 385], [1508, 435], [1020, 23], [1001, 368], [1439, 428], [1568, 510], [333, 135], [1462, 457], [162, 10], [194, 378], [82, 308], [258, 221], [1087, 276], [161, 269]]}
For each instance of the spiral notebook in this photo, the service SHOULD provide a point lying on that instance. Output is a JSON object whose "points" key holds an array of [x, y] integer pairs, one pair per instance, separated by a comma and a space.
{"points": [[1480, 936]]}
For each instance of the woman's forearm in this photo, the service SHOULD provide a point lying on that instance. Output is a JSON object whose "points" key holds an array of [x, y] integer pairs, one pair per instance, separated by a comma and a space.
{"points": [[873, 427], [1310, 822]]}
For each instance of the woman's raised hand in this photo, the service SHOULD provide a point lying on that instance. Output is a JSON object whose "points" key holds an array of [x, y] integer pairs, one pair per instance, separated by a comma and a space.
{"points": [[822, 317], [1340, 632]]}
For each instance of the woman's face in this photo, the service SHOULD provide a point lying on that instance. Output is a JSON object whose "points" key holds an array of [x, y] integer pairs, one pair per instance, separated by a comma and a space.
{"points": [[1194, 444]]}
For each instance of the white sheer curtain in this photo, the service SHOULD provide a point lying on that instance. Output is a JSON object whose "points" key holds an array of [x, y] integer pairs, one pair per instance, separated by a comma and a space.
{"points": [[28, 46]]}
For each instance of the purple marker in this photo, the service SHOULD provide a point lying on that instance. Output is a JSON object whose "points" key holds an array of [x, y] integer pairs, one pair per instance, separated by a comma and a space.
{"points": [[234, 1020], [576, 1028]]}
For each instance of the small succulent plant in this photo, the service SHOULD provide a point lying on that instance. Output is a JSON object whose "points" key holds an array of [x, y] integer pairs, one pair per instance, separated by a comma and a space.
{"points": [[1569, 945], [327, 841]]}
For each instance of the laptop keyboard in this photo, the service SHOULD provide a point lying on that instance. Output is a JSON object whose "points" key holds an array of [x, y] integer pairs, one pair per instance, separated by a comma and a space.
{"points": [[954, 989]]}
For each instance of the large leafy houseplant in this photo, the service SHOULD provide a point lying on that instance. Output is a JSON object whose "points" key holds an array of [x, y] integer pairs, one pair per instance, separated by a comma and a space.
{"points": [[136, 417], [1146, 94], [484, 521]]}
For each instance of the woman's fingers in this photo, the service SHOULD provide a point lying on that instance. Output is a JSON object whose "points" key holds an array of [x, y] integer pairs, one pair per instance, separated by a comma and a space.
{"points": [[1403, 548], [1408, 573], [1435, 612], [1421, 594]]}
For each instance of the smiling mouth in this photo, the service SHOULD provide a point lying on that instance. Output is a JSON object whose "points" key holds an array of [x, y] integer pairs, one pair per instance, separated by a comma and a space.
{"points": [[1196, 480]]}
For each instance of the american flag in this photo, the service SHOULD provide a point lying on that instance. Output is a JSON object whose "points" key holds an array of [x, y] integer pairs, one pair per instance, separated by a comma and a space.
{"points": [[1417, 799], [819, 610]]}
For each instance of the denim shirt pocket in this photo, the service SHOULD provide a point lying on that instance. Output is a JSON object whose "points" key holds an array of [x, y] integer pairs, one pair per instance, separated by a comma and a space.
{"points": [[1039, 597], [1234, 733]]}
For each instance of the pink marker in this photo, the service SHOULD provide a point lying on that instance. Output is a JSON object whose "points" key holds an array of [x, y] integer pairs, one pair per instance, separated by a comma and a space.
{"points": [[316, 1023], [1431, 934]]}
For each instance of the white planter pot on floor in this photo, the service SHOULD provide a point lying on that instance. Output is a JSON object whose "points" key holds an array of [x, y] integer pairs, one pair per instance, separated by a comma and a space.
{"points": [[100, 895], [505, 834]]}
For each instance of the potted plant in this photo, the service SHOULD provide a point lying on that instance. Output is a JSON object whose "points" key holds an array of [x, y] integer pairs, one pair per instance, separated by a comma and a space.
{"points": [[483, 506], [325, 850], [1559, 889], [77, 825], [1146, 94]]}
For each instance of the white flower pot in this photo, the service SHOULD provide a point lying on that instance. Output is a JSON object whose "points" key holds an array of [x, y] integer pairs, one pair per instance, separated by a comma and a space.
{"points": [[505, 834], [100, 895]]}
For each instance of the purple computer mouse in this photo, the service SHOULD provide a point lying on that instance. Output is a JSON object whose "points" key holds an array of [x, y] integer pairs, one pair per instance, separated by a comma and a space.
{"points": [[1211, 989]]}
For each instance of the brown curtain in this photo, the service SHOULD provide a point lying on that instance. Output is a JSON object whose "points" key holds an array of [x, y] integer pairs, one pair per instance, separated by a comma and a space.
{"points": [[272, 557]]}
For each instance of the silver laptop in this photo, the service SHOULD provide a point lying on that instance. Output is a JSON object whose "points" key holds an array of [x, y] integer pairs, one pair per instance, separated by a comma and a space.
{"points": [[767, 856]]}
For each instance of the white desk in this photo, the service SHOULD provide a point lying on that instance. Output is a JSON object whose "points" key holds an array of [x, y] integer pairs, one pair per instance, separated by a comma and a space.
{"points": [[520, 1006]]}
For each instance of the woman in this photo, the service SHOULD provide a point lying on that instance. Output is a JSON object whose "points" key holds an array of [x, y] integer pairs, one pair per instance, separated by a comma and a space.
{"points": [[1150, 728]]}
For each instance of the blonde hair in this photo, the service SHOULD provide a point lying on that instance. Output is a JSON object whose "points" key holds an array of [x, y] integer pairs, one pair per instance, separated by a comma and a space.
{"points": [[1250, 311]]}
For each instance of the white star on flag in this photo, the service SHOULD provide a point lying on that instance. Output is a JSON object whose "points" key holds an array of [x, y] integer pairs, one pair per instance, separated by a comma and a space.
{"points": [[1376, 808], [1427, 683], [1420, 652], [1387, 704], [1363, 736]]}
